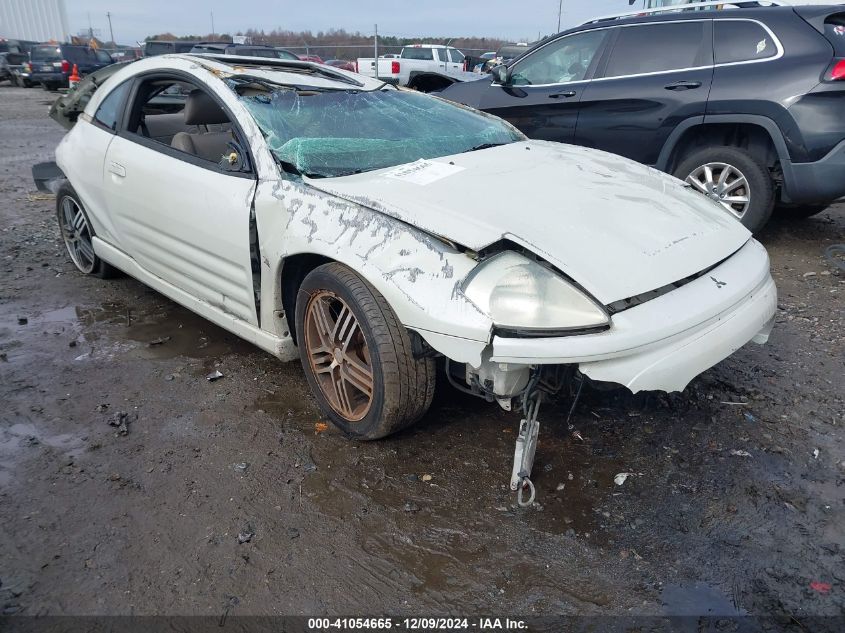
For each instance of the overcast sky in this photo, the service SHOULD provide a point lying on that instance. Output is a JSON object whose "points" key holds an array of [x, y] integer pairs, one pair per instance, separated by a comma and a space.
{"points": [[518, 20]]}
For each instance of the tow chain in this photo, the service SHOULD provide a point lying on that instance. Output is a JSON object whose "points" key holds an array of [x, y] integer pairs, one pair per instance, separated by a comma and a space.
{"points": [[526, 447]]}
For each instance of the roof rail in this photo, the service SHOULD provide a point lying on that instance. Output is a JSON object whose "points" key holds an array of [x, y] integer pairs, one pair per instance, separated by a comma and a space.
{"points": [[690, 6]]}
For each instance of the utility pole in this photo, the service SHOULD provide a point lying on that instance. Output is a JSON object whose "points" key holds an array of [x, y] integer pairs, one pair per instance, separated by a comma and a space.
{"points": [[375, 50], [111, 31], [559, 13], [213, 32]]}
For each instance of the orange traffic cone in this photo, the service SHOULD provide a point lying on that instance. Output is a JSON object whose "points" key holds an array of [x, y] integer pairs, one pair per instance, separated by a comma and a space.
{"points": [[74, 78]]}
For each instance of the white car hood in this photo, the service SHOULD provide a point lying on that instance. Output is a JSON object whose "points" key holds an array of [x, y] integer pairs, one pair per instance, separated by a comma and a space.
{"points": [[617, 227]]}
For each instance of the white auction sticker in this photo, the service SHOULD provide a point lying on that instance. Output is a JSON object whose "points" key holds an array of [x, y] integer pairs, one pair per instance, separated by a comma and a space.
{"points": [[423, 172]]}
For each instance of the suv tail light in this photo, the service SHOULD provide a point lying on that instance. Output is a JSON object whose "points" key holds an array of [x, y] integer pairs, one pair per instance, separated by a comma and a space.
{"points": [[837, 71], [27, 67], [65, 66], [394, 68]]}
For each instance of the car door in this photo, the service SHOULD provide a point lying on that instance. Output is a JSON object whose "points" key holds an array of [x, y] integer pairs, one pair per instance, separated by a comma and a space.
{"points": [[654, 77], [545, 87], [456, 62], [183, 218]]}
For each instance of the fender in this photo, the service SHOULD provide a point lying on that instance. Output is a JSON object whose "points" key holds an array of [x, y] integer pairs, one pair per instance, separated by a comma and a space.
{"points": [[753, 119], [766, 123], [418, 274]]}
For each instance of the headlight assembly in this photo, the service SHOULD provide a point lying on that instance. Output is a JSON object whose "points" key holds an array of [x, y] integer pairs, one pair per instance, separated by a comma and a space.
{"points": [[521, 295]]}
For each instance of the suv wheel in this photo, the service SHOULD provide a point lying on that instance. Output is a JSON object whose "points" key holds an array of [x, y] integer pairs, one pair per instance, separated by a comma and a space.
{"points": [[358, 357], [733, 178]]}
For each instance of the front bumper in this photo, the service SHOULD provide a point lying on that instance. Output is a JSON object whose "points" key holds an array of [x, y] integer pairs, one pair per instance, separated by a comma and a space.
{"points": [[821, 181], [665, 343]]}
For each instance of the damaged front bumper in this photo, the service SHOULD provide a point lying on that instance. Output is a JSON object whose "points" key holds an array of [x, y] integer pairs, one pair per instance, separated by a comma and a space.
{"points": [[665, 343]]}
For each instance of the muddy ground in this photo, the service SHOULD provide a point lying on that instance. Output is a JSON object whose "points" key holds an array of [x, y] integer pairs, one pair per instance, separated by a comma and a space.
{"points": [[146, 518]]}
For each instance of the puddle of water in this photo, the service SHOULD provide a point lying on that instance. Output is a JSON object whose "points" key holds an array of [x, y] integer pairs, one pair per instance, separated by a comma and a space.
{"points": [[163, 330], [698, 599]]}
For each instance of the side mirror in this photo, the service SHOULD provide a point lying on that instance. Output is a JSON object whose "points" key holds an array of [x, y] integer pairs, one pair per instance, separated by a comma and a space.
{"points": [[501, 74]]}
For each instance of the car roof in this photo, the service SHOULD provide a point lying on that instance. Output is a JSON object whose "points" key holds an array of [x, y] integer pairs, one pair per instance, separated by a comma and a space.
{"points": [[688, 14], [757, 13], [280, 71]]}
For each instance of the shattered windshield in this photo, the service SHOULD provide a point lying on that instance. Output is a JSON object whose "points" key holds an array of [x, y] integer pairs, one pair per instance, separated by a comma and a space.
{"points": [[327, 133]]}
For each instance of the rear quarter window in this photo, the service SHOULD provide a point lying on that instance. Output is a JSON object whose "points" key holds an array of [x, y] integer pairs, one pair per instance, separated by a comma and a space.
{"points": [[111, 108], [742, 41], [834, 31]]}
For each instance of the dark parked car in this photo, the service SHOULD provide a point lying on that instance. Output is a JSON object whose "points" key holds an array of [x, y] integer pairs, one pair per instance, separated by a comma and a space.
{"points": [[245, 50], [152, 48], [52, 64], [11, 65], [745, 104]]}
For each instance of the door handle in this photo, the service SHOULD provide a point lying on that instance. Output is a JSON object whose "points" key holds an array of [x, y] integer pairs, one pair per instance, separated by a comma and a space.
{"points": [[117, 169], [563, 95], [683, 85]]}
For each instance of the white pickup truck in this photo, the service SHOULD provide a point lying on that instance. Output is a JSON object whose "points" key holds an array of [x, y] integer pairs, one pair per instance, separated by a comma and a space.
{"points": [[424, 67]]}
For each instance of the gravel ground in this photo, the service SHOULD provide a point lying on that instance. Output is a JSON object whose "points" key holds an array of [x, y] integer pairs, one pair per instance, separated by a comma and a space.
{"points": [[231, 497]]}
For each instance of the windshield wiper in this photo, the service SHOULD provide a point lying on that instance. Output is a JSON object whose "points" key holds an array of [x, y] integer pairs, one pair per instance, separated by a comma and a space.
{"points": [[485, 146]]}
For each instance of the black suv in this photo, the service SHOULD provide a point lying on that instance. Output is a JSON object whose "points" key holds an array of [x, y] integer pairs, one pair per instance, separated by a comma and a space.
{"points": [[745, 104], [52, 64]]}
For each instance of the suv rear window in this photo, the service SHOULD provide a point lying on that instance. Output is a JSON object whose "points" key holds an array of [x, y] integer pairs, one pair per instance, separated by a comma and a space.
{"points": [[417, 53], [46, 54], [742, 41], [658, 48]]}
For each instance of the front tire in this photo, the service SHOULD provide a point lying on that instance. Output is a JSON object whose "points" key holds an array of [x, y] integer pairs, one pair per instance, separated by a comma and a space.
{"points": [[357, 356], [735, 179], [77, 234]]}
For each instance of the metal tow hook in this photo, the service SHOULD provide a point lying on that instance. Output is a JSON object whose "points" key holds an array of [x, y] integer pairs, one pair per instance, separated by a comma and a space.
{"points": [[523, 456]]}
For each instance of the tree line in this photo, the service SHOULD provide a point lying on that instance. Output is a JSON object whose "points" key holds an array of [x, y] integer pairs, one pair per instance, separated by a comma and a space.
{"points": [[339, 43]]}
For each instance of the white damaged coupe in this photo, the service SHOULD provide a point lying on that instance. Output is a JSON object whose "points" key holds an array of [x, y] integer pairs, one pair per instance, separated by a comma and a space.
{"points": [[374, 232]]}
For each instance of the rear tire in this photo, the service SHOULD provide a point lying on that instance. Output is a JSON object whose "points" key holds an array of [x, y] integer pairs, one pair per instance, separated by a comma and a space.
{"points": [[747, 178], [349, 338], [77, 234]]}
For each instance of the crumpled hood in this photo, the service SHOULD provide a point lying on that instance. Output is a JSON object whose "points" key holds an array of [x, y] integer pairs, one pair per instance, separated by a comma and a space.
{"points": [[617, 227]]}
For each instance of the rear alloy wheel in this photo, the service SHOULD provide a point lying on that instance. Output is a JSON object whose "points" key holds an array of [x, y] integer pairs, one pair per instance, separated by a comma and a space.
{"points": [[358, 357], [77, 234], [733, 178]]}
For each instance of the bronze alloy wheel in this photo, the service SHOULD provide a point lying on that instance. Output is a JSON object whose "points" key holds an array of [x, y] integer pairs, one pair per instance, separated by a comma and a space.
{"points": [[339, 355]]}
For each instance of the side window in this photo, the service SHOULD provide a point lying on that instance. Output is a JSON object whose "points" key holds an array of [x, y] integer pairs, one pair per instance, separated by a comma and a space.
{"points": [[111, 108], [181, 119], [659, 48], [568, 59], [741, 41], [456, 55]]}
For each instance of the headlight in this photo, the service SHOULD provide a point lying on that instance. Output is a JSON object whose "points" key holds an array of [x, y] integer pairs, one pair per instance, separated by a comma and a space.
{"points": [[517, 293]]}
